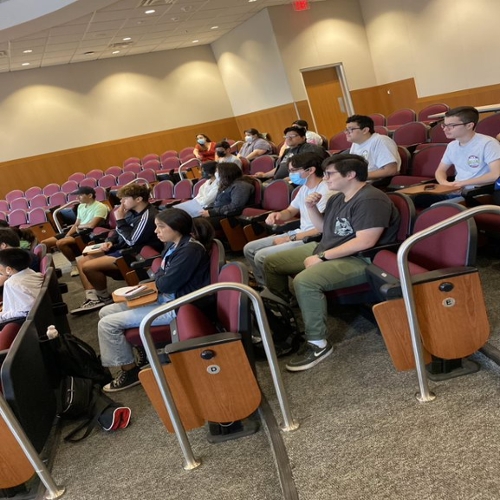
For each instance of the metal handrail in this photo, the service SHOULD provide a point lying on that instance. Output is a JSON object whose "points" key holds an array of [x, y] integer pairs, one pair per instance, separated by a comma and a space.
{"points": [[53, 491], [181, 172], [58, 209], [144, 329], [407, 289]]}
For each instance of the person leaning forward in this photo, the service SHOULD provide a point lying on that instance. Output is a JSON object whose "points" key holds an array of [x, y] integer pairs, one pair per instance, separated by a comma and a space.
{"points": [[357, 218]]}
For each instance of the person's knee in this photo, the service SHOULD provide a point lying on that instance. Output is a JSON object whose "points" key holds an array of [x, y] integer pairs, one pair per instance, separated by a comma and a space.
{"points": [[303, 282]]}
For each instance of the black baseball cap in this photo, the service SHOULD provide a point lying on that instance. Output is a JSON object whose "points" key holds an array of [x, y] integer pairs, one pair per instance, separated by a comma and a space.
{"points": [[85, 190]]}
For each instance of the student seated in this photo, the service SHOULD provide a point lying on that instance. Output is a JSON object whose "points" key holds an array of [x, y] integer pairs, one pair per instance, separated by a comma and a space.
{"points": [[90, 214], [224, 155], [305, 170], [255, 145], [380, 151], [204, 149], [234, 194], [21, 287], [135, 228], [311, 137], [357, 218], [185, 268]]}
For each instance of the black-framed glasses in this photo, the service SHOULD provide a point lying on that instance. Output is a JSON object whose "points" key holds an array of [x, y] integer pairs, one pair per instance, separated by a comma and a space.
{"points": [[349, 130], [452, 125], [290, 136], [328, 173]]}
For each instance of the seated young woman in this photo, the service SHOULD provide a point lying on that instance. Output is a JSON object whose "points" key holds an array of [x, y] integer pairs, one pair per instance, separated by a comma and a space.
{"points": [[234, 194], [185, 268], [204, 149], [21, 287]]}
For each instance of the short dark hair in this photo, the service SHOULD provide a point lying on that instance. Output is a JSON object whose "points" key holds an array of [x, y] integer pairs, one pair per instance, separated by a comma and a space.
{"points": [[346, 162], [301, 123], [176, 219], [4, 223], [252, 131], [9, 237], [209, 167], [307, 160], [17, 258], [363, 121], [135, 191], [298, 130], [223, 144], [467, 114]]}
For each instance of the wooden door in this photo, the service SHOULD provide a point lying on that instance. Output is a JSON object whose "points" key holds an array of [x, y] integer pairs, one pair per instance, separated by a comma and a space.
{"points": [[326, 99]]}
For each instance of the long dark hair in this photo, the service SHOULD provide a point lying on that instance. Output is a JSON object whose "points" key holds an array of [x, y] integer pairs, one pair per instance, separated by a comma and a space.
{"points": [[229, 173], [204, 232]]}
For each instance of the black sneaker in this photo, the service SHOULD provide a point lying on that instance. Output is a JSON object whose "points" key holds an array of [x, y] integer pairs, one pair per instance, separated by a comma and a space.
{"points": [[92, 305], [123, 380], [308, 356], [141, 359]]}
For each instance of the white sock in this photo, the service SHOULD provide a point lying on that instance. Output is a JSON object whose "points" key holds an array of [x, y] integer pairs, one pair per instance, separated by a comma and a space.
{"points": [[318, 343], [90, 294]]}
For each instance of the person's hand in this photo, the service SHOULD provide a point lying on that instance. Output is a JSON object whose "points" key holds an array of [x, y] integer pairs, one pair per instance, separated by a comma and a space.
{"points": [[259, 175], [106, 246], [281, 239], [312, 261], [313, 199], [273, 218], [120, 213], [204, 213]]}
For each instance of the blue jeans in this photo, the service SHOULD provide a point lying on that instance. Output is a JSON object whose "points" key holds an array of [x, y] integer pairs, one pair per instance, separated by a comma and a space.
{"points": [[115, 319]]}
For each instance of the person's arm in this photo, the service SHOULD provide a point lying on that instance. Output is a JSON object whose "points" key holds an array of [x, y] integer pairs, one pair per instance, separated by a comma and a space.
{"points": [[96, 221], [240, 195], [314, 214], [255, 153], [266, 175], [140, 231], [441, 175], [74, 228], [282, 216], [386, 171], [488, 178]]}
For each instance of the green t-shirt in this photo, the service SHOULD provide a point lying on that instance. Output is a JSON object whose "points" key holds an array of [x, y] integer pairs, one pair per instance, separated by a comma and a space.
{"points": [[86, 213]]}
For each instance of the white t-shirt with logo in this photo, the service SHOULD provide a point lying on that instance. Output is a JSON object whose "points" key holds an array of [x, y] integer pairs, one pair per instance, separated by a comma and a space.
{"points": [[473, 158], [379, 150], [299, 202]]}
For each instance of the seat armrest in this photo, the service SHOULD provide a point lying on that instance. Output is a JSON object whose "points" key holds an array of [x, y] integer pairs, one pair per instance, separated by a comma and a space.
{"points": [[369, 253], [314, 237], [141, 264], [248, 219], [290, 225]]}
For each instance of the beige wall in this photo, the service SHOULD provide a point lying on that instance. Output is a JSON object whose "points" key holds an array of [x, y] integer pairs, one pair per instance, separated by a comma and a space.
{"points": [[62, 107], [251, 67], [446, 45]]}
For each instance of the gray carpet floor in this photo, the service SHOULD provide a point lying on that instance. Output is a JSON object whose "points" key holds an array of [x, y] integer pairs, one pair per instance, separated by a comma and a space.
{"points": [[363, 434]]}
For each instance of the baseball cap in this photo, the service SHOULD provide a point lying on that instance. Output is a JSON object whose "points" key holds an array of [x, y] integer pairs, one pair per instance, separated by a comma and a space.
{"points": [[84, 190]]}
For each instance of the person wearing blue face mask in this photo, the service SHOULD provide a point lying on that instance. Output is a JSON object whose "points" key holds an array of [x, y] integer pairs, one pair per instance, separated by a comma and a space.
{"points": [[305, 171], [204, 149]]}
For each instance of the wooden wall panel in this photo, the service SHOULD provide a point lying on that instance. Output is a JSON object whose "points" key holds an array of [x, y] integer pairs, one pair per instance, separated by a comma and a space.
{"points": [[305, 112]]}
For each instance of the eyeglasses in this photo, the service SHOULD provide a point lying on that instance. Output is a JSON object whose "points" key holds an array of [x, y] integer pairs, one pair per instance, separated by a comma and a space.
{"points": [[290, 136], [328, 173], [350, 130], [452, 125]]}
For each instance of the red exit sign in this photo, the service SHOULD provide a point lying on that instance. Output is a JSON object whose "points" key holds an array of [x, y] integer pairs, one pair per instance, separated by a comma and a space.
{"points": [[299, 5]]}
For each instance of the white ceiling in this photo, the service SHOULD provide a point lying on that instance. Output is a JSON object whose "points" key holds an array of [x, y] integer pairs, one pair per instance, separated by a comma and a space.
{"points": [[101, 33]]}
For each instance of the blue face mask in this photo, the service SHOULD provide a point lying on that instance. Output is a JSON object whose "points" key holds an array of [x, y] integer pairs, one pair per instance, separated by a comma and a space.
{"points": [[201, 141], [297, 179]]}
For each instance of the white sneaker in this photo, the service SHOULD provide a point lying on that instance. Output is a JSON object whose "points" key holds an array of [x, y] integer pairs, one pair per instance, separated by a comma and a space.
{"points": [[74, 271]]}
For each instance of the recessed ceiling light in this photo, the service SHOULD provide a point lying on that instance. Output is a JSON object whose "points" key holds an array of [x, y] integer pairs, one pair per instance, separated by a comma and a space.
{"points": [[27, 51], [127, 38], [250, 1], [214, 27], [195, 41], [187, 8], [89, 53], [175, 19], [26, 64], [115, 52], [150, 11]]}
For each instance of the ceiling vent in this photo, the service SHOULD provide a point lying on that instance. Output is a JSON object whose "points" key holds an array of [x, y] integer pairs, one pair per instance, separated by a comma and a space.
{"points": [[154, 3]]}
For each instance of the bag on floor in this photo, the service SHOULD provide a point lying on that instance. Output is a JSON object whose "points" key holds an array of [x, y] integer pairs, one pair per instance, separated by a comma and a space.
{"points": [[79, 398], [69, 355], [284, 328]]}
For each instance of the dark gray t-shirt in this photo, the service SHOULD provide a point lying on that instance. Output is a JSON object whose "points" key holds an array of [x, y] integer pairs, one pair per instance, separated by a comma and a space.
{"points": [[368, 208]]}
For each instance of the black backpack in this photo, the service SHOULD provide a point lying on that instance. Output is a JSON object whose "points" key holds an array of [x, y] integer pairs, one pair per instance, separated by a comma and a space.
{"points": [[284, 328]]}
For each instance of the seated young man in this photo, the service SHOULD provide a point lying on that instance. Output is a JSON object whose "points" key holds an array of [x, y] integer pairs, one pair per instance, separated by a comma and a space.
{"points": [[21, 287], [135, 228], [380, 151], [90, 214], [10, 239], [357, 218], [305, 171]]}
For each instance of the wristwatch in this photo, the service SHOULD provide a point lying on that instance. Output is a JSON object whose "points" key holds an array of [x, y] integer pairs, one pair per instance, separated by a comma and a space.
{"points": [[292, 237], [322, 256]]}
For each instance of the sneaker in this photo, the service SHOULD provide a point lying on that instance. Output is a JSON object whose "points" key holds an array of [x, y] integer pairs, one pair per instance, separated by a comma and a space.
{"points": [[141, 359], [308, 356], [91, 305], [74, 271], [123, 380]]}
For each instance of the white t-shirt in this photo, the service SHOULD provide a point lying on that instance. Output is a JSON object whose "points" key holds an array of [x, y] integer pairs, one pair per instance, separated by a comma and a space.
{"points": [[473, 158], [379, 150], [207, 193], [299, 202]]}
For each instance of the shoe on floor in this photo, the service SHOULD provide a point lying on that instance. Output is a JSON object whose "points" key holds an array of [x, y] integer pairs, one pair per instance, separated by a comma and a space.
{"points": [[141, 358], [74, 271], [91, 305], [123, 380], [307, 356]]}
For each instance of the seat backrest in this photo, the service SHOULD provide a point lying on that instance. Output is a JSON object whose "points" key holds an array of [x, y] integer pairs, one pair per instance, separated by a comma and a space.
{"points": [[19, 203], [100, 193], [406, 210], [89, 182], [164, 190], [436, 134], [69, 186], [107, 181], [147, 174], [37, 215], [51, 189], [125, 178], [132, 159], [132, 167], [455, 246], [183, 189], [18, 217], [411, 134], [338, 142], [381, 129], [168, 154], [378, 119], [405, 156], [40, 200], [401, 116], [232, 305], [276, 195], [170, 163], [489, 125], [245, 165], [4, 206], [57, 199], [197, 186], [40, 250], [77, 176], [32, 191], [426, 160], [432, 109], [153, 164], [12, 195], [263, 163], [149, 156], [114, 170], [95, 173], [217, 260]]}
